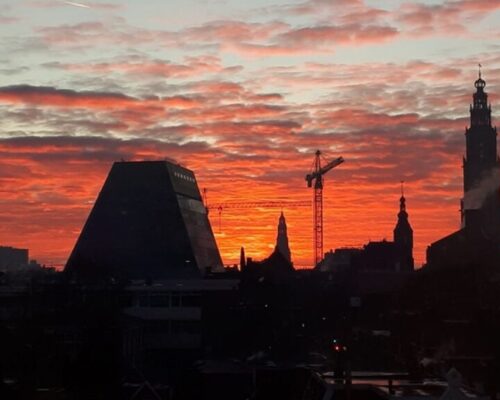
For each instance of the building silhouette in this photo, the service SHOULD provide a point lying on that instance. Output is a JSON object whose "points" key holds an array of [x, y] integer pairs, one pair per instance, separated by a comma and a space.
{"points": [[478, 241], [242, 259], [12, 259], [481, 156], [282, 239], [403, 236], [481, 153], [387, 256], [148, 222], [377, 256], [277, 266]]}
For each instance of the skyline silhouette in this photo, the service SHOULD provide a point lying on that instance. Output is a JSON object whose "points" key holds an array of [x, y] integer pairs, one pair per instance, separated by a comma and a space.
{"points": [[386, 86], [177, 220]]}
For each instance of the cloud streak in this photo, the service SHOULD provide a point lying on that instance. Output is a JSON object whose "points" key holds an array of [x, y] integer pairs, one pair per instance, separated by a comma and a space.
{"points": [[70, 3]]}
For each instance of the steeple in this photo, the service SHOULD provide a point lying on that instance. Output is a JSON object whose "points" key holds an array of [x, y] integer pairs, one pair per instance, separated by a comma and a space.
{"points": [[243, 262], [481, 140], [282, 238], [403, 235], [480, 110]]}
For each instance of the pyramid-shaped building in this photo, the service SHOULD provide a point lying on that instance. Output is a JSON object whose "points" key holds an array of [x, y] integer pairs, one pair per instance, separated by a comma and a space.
{"points": [[148, 222]]}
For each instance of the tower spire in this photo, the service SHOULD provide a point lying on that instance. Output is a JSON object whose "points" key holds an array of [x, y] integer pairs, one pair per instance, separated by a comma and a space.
{"points": [[403, 234], [481, 147], [402, 202], [282, 238], [243, 262]]}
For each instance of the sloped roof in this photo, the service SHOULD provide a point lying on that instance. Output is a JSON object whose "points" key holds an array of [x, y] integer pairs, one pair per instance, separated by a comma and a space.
{"points": [[148, 222]]}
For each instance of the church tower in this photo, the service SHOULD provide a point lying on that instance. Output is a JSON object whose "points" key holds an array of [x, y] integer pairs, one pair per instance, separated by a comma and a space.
{"points": [[403, 235], [282, 239], [481, 143]]}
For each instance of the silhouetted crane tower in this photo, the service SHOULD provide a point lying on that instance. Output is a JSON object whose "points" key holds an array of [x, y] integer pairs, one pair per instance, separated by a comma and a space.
{"points": [[317, 176]]}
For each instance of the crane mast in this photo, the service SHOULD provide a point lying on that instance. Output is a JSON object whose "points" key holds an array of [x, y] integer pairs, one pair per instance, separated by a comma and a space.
{"points": [[317, 176]]}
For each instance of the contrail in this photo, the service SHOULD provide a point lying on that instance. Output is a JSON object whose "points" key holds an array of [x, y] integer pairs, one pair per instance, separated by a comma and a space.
{"points": [[70, 3]]}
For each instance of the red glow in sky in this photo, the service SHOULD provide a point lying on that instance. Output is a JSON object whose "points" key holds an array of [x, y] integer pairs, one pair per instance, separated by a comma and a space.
{"points": [[243, 95]]}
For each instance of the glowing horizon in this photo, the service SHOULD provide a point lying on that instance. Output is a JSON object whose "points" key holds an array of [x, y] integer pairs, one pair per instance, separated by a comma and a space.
{"points": [[243, 95]]}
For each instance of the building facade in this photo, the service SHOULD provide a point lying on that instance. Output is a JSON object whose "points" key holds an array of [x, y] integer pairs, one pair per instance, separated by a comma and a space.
{"points": [[403, 237], [478, 241], [148, 222], [481, 138]]}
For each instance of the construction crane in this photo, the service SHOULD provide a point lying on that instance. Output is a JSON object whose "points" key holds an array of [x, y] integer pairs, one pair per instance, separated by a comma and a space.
{"points": [[317, 176], [252, 204]]}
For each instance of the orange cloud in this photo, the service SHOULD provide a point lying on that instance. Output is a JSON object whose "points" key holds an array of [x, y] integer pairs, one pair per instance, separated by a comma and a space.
{"points": [[359, 27], [26, 94], [193, 66], [351, 33], [246, 145], [447, 18]]}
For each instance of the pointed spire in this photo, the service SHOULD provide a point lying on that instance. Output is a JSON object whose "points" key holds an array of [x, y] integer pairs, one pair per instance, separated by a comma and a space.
{"points": [[402, 215], [403, 234], [282, 238], [480, 83], [243, 263], [402, 200], [481, 155], [480, 112]]}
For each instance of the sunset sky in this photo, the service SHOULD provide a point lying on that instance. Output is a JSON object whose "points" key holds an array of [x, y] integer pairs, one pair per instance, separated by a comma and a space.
{"points": [[243, 93]]}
